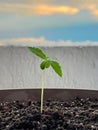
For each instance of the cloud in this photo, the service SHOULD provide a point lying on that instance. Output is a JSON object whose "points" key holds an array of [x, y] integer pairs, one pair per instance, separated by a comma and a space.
{"points": [[27, 9], [16, 8], [93, 9], [90, 5], [26, 41], [41, 41], [95, 12], [47, 9]]}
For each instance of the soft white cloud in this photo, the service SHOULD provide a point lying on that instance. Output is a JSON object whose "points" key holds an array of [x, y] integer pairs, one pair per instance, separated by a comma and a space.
{"points": [[43, 42], [93, 9], [49, 7], [15, 8], [29, 9], [90, 5]]}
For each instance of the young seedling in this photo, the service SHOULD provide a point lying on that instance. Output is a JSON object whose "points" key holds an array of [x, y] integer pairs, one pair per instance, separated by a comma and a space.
{"points": [[45, 64]]}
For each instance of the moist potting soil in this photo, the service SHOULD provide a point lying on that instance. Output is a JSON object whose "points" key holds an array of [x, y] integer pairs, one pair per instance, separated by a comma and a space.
{"points": [[78, 114]]}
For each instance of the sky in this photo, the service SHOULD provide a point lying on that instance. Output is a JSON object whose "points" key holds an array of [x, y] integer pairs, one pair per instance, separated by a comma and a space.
{"points": [[36, 21]]}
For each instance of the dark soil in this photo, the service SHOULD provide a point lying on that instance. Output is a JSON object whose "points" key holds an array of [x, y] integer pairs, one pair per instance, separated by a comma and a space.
{"points": [[79, 114]]}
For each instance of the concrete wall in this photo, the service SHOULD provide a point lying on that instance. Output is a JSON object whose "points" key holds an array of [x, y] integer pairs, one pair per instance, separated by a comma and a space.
{"points": [[19, 68]]}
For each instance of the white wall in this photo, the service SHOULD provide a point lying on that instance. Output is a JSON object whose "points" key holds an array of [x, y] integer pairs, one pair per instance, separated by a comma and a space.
{"points": [[19, 68]]}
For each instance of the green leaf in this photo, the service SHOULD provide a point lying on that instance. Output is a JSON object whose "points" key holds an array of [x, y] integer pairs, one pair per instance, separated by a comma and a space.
{"points": [[47, 65], [42, 65], [38, 52], [56, 67]]}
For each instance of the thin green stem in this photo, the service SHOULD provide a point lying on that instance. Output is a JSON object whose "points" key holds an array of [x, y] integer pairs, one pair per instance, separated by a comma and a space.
{"points": [[42, 90]]}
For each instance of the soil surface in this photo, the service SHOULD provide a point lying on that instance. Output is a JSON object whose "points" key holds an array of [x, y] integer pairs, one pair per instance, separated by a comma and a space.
{"points": [[79, 114]]}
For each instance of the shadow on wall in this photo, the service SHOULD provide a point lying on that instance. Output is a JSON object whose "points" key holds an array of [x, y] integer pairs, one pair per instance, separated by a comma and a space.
{"points": [[53, 94]]}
